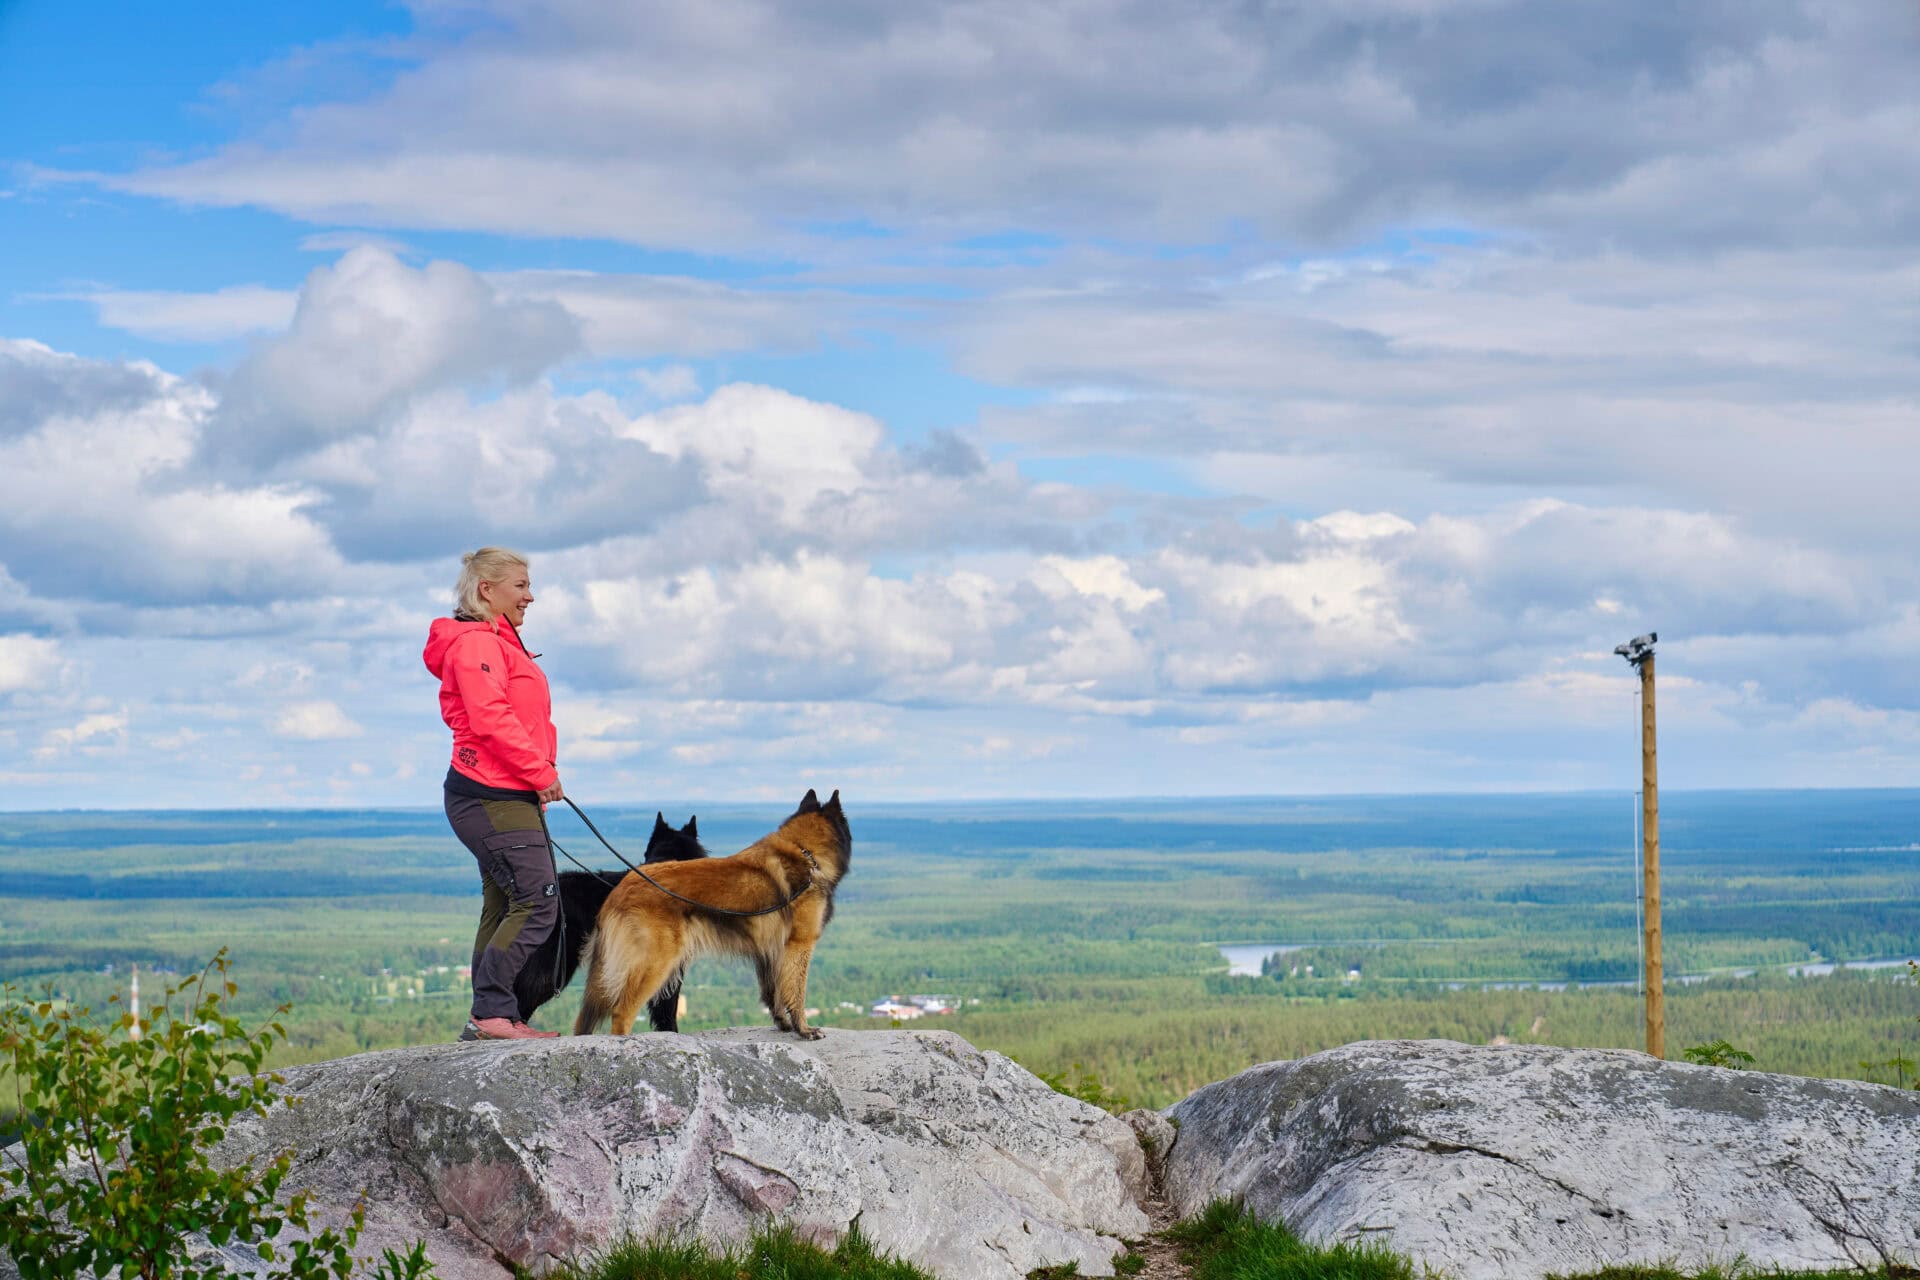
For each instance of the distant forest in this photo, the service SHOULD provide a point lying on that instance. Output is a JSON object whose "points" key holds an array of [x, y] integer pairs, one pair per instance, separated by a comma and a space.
{"points": [[1076, 933]]}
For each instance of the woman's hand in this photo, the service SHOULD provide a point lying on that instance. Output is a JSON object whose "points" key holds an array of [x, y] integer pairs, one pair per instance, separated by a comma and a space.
{"points": [[555, 792]]}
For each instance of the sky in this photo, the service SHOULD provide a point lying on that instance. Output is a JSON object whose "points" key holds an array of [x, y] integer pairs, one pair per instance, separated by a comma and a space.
{"points": [[938, 401]]}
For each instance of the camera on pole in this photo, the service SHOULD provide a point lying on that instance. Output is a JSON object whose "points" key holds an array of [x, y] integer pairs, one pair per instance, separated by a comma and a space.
{"points": [[1638, 649]]}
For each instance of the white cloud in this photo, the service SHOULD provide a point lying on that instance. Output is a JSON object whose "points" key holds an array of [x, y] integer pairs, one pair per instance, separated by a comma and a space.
{"points": [[102, 732], [1689, 126], [592, 729], [756, 545], [369, 334], [767, 447], [174, 742], [99, 498], [527, 467], [279, 676], [27, 662], [38, 383], [1328, 609], [648, 317], [1492, 464], [1474, 376], [377, 445], [671, 382], [317, 721], [232, 312], [1107, 577], [816, 626], [343, 241]]}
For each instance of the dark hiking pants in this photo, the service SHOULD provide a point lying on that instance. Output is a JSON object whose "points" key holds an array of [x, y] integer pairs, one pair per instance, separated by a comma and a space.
{"points": [[520, 900]]}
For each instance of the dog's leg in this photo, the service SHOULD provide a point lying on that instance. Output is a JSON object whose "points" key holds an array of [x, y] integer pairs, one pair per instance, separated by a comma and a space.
{"points": [[641, 985], [792, 991], [663, 1011], [592, 1014], [658, 956], [593, 1008], [763, 968]]}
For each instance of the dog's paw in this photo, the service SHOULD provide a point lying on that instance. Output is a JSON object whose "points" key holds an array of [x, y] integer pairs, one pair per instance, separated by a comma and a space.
{"points": [[810, 1033]]}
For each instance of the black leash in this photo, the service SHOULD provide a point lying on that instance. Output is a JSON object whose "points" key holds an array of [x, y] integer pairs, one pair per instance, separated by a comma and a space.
{"points": [[560, 908], [719, 911], [555, 845]]}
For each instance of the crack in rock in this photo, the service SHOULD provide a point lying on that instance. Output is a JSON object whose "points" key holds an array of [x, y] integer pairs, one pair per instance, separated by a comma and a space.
{"points": [[1440, 1147]]}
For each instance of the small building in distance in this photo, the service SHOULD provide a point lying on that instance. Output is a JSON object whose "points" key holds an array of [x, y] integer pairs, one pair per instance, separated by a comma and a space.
{"points": [[907, 1007]]}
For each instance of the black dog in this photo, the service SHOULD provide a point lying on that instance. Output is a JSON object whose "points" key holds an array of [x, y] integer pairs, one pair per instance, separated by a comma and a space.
{"points": [[547, 972]]}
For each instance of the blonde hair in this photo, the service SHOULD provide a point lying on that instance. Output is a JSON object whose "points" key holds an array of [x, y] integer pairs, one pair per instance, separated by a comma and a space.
{"points": [[488, 564]]}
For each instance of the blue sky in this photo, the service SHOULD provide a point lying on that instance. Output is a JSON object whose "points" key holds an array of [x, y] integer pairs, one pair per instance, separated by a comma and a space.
{"points": [[960, 401]]}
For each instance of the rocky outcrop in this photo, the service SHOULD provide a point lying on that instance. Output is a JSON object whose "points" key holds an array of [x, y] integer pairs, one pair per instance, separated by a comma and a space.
{"points": [[1513, 1161], [530, 1151], [1523, 1160]]}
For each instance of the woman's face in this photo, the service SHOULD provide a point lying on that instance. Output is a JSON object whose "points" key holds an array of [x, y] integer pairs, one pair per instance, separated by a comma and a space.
{"points": [[510, 596]]}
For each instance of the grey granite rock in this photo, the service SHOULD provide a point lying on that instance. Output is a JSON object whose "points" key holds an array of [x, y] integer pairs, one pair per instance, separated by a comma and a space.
{"points": [[1155, 1134], [525, 1152], [1523, 1159]]}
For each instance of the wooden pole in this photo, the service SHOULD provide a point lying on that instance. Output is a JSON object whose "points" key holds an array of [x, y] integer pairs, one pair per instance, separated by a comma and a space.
{"points": [[1650, 863]]}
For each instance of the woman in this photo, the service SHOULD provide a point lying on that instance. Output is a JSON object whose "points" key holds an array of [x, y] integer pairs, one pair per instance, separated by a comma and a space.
{"points": [[494, 697]]}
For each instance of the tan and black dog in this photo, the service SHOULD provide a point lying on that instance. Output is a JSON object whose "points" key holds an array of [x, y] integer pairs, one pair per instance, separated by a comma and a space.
{"points": [[645, 935], [582, 893]]}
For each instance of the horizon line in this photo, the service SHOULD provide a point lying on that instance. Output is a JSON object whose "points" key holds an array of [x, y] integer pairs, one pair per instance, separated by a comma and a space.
{"points": [[1171, 798]]}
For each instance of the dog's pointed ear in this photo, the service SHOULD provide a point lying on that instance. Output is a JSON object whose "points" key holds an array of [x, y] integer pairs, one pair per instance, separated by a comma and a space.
{"points": [[692, 828], [810, 803], [833, 804], [660, 822]]}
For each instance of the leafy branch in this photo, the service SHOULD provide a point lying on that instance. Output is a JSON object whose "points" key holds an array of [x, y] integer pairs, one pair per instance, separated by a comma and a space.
{"points": [[112, 1174]]}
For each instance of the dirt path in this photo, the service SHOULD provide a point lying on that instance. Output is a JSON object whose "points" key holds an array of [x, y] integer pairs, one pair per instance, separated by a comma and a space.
{"points": [[1163, 1256]]}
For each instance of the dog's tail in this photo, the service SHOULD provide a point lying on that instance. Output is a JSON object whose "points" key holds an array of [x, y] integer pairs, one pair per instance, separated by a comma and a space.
{"points": [[594, 1008]]}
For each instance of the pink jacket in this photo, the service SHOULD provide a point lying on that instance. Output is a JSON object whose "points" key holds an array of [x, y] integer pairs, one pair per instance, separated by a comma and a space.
{"points": [[494, 697]]}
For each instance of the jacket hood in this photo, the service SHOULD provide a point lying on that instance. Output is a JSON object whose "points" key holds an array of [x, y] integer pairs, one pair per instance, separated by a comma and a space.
{"points": [[440, 638]]}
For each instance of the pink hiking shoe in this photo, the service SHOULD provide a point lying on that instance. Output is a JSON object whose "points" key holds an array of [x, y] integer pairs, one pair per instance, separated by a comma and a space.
{"points": [[505, 1029]]}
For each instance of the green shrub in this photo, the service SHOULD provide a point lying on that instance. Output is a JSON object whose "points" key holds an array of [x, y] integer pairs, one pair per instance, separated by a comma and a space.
{"points": [[112, 1176], [1086, 1086], [1899, 1064], [1913, 972], [1899, 1067], [1129, 1263], [1717, 1053]]}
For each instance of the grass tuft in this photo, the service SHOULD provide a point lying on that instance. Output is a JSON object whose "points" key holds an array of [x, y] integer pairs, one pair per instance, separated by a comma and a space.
{"points": [[1222, 1242], [1225, 1242], [1738, 1270], [773, 1253]]}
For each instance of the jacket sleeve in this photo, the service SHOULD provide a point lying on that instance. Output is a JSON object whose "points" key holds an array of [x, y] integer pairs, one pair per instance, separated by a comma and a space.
{"points": [[490, 716]]}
